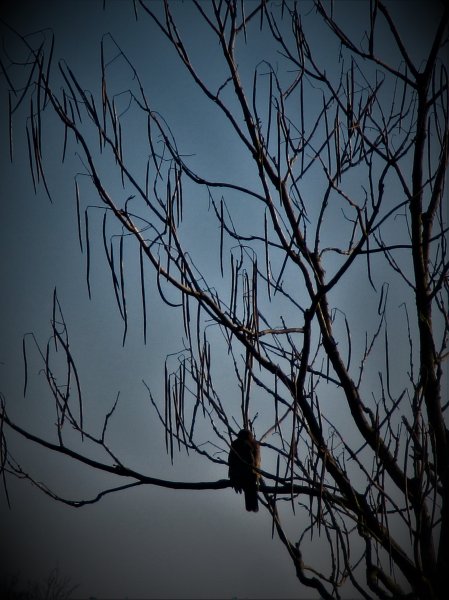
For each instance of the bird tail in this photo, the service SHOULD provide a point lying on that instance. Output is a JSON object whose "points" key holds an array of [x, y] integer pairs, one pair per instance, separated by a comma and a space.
{"points": [[251, 502]]}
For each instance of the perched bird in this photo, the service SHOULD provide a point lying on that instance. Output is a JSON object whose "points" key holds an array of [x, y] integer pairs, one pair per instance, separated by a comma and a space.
{"points": [[243, 457]]}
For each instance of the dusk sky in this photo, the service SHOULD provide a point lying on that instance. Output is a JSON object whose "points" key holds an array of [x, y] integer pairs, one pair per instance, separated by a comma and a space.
{"points": [[146, 542]]}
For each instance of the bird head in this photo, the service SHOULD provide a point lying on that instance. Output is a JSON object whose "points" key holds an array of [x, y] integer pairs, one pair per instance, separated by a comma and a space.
{"points": [[245, 434]]}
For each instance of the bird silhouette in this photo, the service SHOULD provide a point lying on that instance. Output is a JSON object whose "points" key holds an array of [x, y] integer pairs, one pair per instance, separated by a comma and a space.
{"points": [[244, 457]]}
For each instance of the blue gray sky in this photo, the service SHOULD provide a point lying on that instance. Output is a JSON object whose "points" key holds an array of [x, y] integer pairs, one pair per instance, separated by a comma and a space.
{"points": [[147, 542]]}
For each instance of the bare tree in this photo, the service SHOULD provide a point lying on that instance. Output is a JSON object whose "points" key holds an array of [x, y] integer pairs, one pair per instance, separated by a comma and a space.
{"points": [[347, 159], [54, 587]]}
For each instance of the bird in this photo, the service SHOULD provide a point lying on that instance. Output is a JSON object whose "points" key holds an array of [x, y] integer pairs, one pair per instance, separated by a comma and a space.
{"points": [[243, 460]]}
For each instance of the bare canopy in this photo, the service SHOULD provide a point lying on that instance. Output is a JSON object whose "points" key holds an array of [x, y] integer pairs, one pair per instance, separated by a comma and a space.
{"points": [[326, 308]]}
